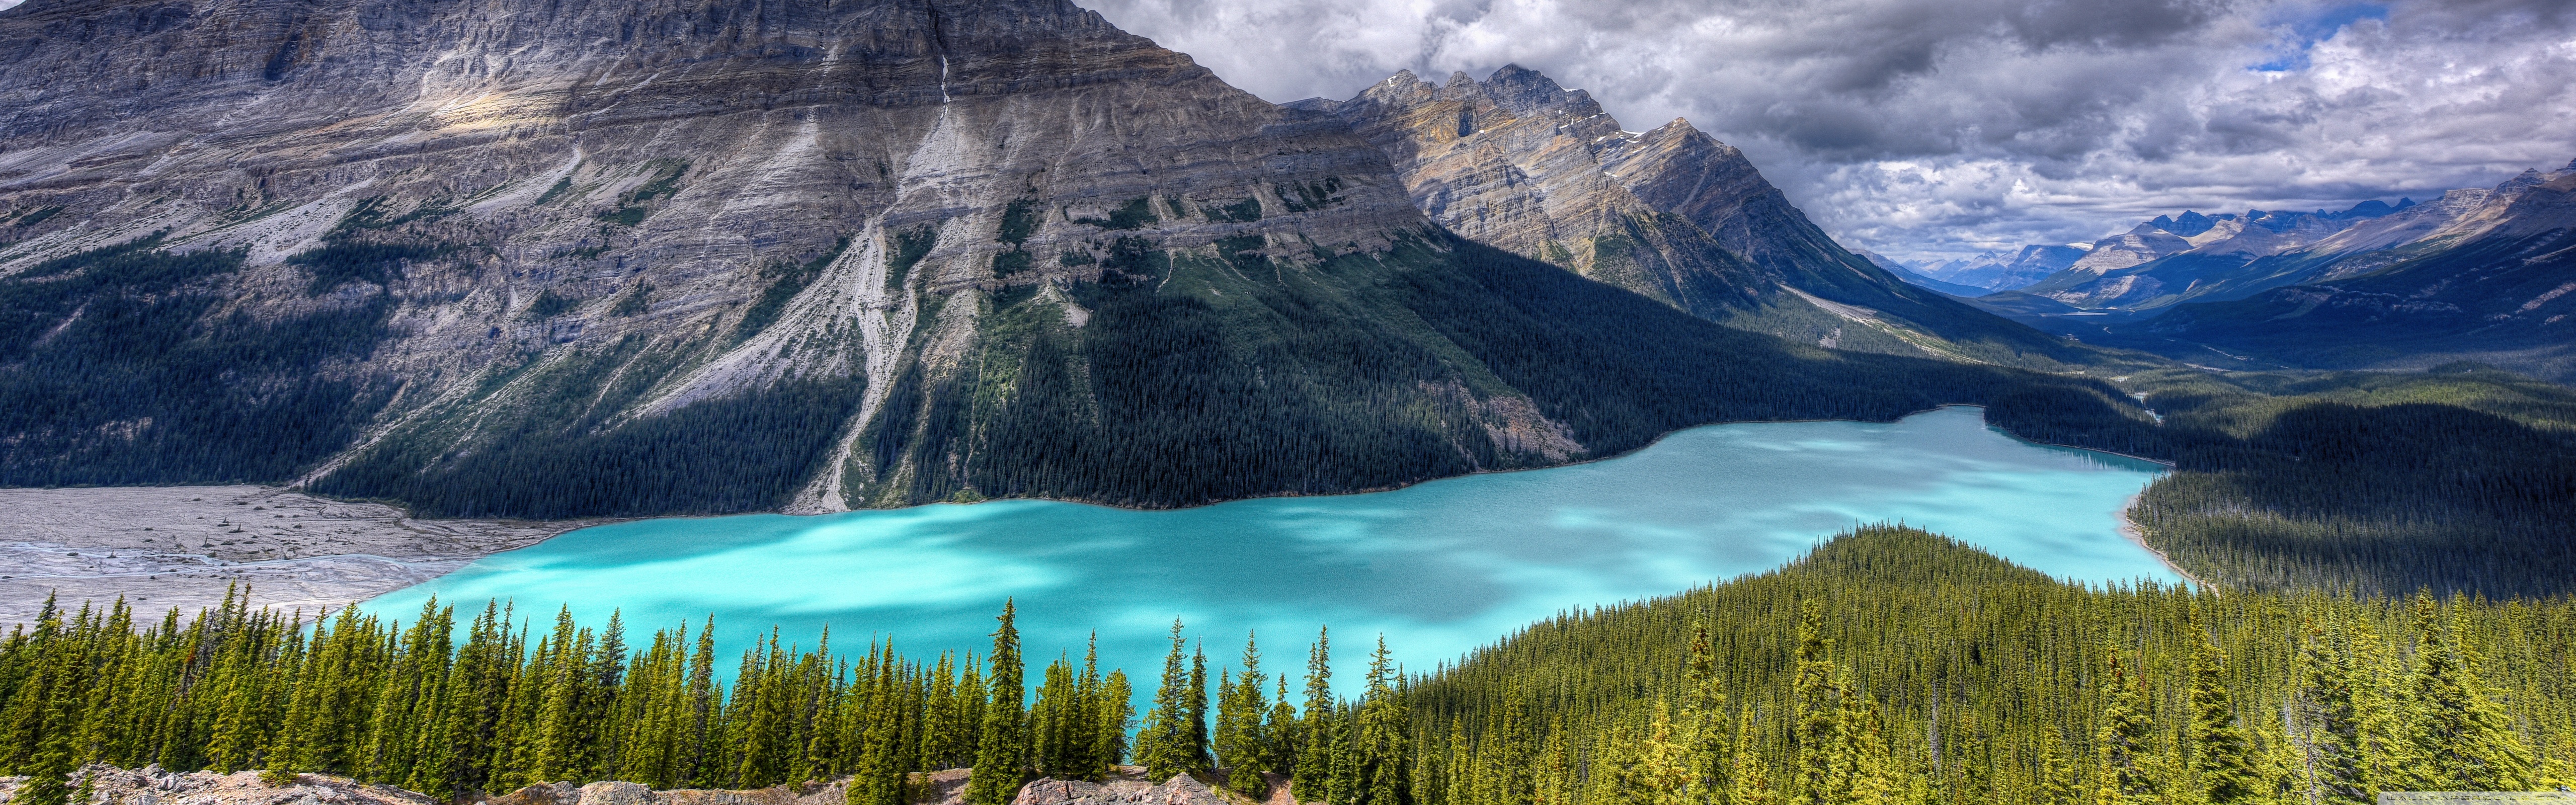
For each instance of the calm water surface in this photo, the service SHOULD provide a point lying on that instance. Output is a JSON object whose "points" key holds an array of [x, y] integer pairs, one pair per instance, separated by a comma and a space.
{"points": [[1438, 568]]}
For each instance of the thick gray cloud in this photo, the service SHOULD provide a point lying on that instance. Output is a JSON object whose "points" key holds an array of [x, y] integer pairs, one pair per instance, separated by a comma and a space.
{"points": [[1942, 127]]}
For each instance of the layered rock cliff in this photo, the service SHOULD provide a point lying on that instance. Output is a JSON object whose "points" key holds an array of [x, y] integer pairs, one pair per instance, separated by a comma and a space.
{"points": [[1517, 161], [681, 202], [629, 258]]}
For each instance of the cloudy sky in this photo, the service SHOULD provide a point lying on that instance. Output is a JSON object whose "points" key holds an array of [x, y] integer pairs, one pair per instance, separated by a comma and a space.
{"points": [[1926, 128]]}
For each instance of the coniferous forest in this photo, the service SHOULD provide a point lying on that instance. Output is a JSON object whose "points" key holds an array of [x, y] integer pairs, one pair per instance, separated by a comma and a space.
{"points": [[1942, 675], [2460, 479]]}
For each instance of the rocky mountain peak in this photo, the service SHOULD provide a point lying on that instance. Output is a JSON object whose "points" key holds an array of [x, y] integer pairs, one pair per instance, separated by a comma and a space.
{"points": [[1518, 161], [2187, 224], [1527, 92]]}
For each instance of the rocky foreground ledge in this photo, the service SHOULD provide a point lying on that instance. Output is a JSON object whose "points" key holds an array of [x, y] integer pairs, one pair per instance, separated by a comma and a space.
{"points": [[151, 785]]}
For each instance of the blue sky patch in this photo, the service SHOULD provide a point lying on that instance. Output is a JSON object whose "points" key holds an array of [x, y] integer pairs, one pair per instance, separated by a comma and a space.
{"points": [[2306, 31]]}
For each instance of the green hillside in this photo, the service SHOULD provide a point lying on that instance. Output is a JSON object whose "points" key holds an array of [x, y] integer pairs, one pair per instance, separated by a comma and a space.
{"points": [[2458, 480], [1894, 665]]}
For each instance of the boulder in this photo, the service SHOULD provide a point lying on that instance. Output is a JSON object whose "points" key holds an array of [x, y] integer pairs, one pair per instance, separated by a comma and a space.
{"points": [[1182, 789]]}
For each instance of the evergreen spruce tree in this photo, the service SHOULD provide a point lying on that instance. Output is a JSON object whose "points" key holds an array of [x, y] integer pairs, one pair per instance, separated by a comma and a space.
{"points": [[1312, 777], [1451, 776], [1347, 782], [1872, 775], [1281, 730], [1195, 701], [1056, 727], [53, 763], [880, 780], [1092, 760], [2124, 746], [1619, 775], [972, 697], [1822, 752], [1163, 744], [1664, 764], [1506, 772], [2057, 784], [1706, 722], [1239, 741], [699, 755], [2328, 707], [2379, 694], [1556, 777], [1002, 750], [939, 715], [1384, 744], [2221, 759], [2458, 739], [1109, 744], [1747, 775]]}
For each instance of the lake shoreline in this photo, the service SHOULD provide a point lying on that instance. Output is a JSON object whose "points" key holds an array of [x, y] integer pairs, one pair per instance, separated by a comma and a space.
{"points": [[184, 547], [2137, 534], [302, 580]]}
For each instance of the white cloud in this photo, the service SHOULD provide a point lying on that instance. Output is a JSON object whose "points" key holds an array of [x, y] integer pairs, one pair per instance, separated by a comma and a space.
{"points": [[1920, 127]]}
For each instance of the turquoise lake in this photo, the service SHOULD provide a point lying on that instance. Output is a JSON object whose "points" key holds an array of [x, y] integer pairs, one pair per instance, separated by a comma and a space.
{"points": [[1437, 568]]}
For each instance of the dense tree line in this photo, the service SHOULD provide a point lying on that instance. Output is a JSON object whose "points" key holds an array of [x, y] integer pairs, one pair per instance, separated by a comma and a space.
{"points": [[2457, 480], [747, 451], [406, 705], [1888, 666], [1895, 666], [120, 365]]}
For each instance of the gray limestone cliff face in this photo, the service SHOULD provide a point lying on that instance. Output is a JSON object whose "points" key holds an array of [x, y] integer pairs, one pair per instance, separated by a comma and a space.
{"points": [[1519, 162], [603, 212]]}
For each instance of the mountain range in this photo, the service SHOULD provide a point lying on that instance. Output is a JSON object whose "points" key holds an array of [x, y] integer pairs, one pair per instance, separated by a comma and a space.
{"points": [[2002, 271], [804, 255], [2480, 275], [2175, 259], [2473, 275]]}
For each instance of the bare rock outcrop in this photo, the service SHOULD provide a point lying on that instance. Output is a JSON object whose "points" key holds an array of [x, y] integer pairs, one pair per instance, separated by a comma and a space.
{"points": [[1182, 789], [624, 793], [151, 785]]}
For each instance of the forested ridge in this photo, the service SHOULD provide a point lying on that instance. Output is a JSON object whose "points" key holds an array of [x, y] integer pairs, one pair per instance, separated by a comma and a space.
{"points": [[1894, 665], [2460, 479], [1888, 666]]}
